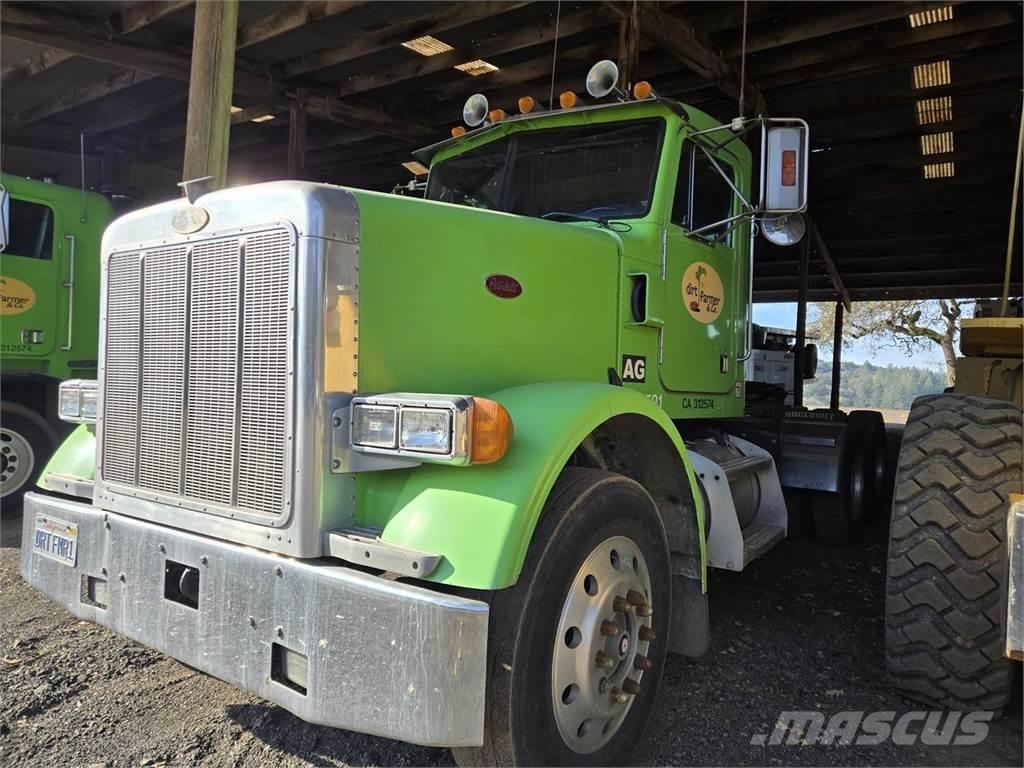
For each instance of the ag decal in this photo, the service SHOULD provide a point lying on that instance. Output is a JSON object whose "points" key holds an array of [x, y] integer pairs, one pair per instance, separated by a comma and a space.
{"points": [[15, 296], [634, 368], [702, 292]]}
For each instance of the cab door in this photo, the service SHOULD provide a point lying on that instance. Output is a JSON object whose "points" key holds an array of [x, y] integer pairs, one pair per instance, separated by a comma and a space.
{"points": [[31, 279], [699, 344]]}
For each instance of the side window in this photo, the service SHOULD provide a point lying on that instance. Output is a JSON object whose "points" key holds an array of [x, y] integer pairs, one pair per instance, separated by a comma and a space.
{"points": [[29, 230], [702, 197]]}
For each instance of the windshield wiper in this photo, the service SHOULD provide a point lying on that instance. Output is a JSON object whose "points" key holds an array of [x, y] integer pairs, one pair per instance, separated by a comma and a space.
{"points": [[601, 221]]}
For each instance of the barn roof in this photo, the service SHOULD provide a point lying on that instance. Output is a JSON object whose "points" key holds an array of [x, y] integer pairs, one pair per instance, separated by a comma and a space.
{"points": [[914, 107]]}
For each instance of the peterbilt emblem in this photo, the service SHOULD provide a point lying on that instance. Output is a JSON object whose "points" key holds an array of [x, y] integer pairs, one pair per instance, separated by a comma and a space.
{"points": [[189, 220], [503, 286]]}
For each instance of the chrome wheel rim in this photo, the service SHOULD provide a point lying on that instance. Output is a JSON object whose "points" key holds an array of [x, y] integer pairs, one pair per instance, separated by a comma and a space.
{"points": [[602, 644], [16, 461]]}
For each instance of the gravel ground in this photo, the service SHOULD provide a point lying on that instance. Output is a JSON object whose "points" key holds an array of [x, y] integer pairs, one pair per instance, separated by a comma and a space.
{"points": [[800, 630]]}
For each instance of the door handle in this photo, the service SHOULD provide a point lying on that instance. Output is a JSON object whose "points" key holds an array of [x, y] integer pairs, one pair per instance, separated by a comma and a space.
{"points": [[70, 285]]}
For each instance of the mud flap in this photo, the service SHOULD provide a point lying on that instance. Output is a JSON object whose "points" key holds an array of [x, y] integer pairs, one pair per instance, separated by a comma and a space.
{"points": [[691, 623]]}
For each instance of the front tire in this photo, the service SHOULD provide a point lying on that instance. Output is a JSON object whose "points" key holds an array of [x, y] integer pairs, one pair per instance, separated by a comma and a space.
{"points": [[578, 645], [960, 459], [26, 442]]}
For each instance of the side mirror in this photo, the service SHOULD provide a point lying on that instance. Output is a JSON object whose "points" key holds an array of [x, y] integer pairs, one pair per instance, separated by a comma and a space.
{"points": [[5, 218], [784, 156]]}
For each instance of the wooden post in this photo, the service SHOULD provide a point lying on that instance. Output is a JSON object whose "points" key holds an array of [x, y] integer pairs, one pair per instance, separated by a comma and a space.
{"points": [[837, 356], [801, 325], [208, 129], [297, 136], [629, 48]]}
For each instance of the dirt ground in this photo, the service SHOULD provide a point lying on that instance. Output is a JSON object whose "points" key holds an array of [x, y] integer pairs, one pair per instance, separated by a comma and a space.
{"points": [[800, 630]]}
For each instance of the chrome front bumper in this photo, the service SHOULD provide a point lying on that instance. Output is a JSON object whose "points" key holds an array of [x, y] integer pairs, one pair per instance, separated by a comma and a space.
{"points": [[384, 658]]}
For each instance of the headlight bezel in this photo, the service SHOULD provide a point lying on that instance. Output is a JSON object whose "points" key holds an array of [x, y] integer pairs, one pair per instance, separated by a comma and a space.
{"points": [[456, 409], [76, 398]]}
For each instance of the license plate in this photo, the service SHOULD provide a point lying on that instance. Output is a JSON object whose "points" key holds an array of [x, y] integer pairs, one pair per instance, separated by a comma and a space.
{"points": [[56, 539]]}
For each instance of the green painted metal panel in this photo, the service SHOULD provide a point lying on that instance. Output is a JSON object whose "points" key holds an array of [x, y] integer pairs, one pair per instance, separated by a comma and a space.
{"points": [[481, 518], [35, 294], [76, 456]]}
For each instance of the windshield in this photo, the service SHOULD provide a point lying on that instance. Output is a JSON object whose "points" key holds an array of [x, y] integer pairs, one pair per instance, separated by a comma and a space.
{"points": [[602, 171]]}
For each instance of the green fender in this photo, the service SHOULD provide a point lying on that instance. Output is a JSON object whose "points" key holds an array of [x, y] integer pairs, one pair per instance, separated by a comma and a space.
{"points": [[76, 456], [481, 518]]}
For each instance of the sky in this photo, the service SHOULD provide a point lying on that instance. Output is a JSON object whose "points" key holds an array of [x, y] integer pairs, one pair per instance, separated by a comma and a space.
{"points": [[783, 315]]}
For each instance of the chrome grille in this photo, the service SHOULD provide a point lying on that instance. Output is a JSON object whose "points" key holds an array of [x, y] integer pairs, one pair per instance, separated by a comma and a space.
{"points": [[196, 373], [121, 375]]}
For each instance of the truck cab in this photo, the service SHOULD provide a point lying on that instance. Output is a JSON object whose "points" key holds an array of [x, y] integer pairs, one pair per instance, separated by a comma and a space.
{"points": [[475, 438], [49, 284]]}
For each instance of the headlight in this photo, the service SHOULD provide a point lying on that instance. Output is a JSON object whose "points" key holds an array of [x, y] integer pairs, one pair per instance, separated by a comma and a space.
{"points": [[374, 426], [426, 429], [453, 429], [77, 400]]}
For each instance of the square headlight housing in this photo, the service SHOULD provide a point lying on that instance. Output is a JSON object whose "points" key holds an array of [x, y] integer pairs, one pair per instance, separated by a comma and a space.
{"points": [[78, 401]]}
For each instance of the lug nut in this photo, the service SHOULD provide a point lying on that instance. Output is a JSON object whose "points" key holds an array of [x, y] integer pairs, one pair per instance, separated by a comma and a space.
{"points": [[609, 628], [603, 661], [616, 697], [644, 611], [635, 598], [642, 663], [621, 605], [632, 687], [646, 634]]}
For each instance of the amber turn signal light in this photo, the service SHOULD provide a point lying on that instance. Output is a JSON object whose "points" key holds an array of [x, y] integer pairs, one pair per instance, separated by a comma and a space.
{"points": [[642, 90], [457, 131], [567, 99], [527, 104], [492, 431]]}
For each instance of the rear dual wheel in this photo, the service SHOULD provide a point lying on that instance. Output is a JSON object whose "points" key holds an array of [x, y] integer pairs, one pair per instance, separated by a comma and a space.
{"points": [[574, 653]]}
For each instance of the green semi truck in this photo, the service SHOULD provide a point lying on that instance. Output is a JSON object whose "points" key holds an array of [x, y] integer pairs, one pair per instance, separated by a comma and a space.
{"points": [[447, 470], [49, 315]]}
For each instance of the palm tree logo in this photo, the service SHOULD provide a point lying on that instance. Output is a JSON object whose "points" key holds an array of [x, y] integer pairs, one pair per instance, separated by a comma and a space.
{"points": [[695, 305]]}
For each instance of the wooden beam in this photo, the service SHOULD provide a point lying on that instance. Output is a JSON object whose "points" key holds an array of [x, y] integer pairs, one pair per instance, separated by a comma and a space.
{"points": [[830, 265], [44, 25], [686, 43], [209, 90], [33, 65], [513, 40], [815, 65], [835, 17], [289, 17], [141, 14], [297, 136], [78, 97], [431, 22]]}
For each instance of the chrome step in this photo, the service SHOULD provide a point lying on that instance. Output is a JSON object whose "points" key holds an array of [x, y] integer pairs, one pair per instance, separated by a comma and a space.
{"points": [[742, 466], [759, 538], [362, 545]]}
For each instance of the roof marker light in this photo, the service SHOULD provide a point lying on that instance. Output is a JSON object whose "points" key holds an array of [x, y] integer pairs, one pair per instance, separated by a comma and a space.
{"points": [[457, 131], [497, 115], [527, 104], [642, 90], [567, 99]]}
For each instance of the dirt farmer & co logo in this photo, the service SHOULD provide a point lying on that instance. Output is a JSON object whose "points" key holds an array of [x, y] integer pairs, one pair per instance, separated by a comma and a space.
{"points": [[702, 292], [15, 296]]}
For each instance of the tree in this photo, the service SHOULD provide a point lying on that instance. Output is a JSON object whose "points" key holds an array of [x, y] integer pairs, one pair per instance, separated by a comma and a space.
{"points": [[907, 325]]}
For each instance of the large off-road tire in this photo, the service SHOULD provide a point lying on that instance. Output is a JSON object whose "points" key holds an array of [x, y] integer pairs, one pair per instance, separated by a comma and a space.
{"points": [[599, 537], [26, 442], [945, 603]]}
